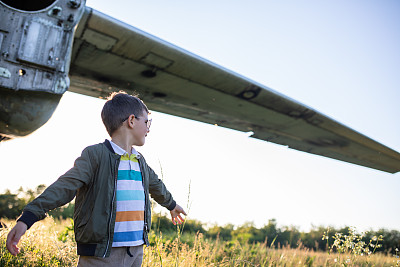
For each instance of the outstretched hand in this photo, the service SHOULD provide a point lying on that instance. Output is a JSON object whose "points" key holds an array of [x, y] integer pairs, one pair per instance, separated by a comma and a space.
{"points": [[14, 236], [176, 215]]}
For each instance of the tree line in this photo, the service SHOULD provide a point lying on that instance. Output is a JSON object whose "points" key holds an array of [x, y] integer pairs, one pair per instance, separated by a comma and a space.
{"points": [[11, 205], [273, 236]]}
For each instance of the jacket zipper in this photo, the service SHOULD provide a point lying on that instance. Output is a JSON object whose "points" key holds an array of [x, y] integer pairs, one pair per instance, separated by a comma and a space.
{"points": [[145, 218], [145, 205], [112, 208]]}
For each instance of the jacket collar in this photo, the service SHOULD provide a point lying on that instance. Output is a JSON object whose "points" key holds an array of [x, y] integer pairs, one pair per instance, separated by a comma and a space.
{"points": [[108, 145]]}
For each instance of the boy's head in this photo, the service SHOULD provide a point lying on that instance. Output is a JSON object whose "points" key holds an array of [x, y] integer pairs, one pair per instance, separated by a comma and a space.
{"points": [[118, 108]]}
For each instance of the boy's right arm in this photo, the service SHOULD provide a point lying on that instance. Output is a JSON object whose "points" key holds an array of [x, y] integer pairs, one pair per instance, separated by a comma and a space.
{"points": [[60, 192], [14, 236]]}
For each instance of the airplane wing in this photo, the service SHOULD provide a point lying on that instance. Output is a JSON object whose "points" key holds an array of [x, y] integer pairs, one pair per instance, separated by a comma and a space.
{"points": [[109, 55]]}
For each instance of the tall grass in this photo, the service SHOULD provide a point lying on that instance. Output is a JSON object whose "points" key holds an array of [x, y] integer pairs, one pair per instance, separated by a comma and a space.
{"points": [[40, 246], [48, 243]]}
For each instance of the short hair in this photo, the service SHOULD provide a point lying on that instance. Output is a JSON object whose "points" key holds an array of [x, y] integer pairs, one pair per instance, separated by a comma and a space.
{"points": [[118, 108]]}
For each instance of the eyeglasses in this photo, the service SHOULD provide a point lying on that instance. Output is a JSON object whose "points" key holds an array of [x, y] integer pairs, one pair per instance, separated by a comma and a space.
{"points": [[148, 121]]}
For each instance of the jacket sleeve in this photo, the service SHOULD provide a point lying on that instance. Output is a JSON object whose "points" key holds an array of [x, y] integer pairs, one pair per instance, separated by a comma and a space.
{"points": [[61, 191], [159, 192]]}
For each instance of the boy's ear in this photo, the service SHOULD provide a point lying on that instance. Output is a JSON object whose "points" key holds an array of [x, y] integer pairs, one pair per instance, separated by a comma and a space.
{"points": [[131, 120]]}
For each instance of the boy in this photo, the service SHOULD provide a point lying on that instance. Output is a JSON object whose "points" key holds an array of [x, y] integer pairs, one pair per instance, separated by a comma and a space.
{"points": [[111, 182]]}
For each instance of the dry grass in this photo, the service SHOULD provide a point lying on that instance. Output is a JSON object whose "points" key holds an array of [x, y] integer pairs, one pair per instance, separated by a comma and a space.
{"points": [[216, 253], [41, 247]]}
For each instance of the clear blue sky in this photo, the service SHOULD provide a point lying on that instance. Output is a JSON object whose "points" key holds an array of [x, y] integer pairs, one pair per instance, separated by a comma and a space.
{"points": [[341, 58]]}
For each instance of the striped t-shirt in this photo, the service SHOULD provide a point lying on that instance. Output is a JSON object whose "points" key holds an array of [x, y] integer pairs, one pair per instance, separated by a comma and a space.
{"points": [[129, 221]]}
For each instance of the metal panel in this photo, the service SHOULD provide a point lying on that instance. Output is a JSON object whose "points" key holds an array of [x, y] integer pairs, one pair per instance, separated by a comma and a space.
{"points": [[40, 43], [36, 46]]}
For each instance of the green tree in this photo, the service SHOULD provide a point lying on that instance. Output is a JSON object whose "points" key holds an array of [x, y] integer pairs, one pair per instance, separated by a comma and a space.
{"points": [[222, 232], [270, 231], [10, 205], [248, 233], [64, 212]]}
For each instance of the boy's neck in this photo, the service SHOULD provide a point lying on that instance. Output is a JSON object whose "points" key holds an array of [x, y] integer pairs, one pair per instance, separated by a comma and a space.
{"points": [[123, 143]]}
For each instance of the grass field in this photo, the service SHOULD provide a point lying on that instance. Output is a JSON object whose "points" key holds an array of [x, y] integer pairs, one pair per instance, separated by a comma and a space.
{"points": [[41, 246]]}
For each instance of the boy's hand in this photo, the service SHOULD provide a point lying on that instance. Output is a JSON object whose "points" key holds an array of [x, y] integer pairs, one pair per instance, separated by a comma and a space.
{"points": [[176, 215], [14, 236]]}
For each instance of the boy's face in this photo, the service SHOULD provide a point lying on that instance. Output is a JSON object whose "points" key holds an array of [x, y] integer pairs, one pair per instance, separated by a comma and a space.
{"points": [[140, 129]]}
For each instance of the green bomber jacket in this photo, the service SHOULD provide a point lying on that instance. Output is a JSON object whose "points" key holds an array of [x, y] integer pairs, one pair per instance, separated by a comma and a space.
{"points": [[92, 180]]}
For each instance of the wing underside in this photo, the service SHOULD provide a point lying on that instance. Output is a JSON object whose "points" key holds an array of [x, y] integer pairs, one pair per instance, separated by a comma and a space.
{"points": [[109, 55]]}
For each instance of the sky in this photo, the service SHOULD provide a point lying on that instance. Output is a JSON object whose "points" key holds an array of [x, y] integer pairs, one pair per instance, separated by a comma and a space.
{"points": [[341, 58]]}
